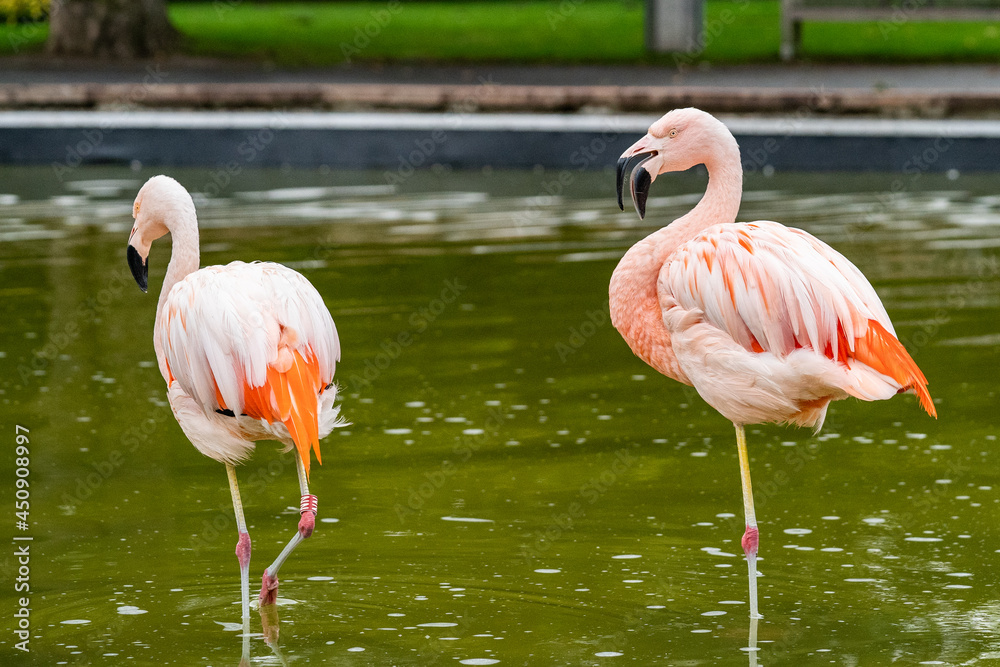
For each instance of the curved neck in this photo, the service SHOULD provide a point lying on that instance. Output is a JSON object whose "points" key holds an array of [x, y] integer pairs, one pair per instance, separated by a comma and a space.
{"points": [[634, 298], [721, 202], [184, 259]]}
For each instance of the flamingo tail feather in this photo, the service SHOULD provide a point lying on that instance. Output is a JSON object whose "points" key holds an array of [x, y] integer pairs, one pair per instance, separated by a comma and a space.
{"points": [[883, 352], [290, 397]]}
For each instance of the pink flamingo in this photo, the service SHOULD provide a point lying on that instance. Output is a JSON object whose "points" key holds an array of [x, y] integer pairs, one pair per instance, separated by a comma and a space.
{"points": [[766, 322], [248, 353]]}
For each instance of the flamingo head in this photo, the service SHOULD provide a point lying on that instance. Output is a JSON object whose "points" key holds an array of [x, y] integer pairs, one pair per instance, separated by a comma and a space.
{"points": [[678, 141], [159, 201]]}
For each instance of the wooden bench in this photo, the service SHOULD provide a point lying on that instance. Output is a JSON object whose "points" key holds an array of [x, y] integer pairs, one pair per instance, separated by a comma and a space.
{"points": [[893, 14]]}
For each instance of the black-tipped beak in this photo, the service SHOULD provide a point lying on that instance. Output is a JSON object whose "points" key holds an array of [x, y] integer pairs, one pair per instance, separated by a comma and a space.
{"points": [[140, 270], [626, 164], [640, 189]]}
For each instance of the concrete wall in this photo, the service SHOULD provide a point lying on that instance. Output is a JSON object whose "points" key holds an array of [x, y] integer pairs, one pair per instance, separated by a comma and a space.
{"points": [[514, 141]]}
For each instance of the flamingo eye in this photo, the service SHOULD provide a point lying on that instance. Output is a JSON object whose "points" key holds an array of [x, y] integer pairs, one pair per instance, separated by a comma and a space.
{"points": [[135, 210], [672, 133]]}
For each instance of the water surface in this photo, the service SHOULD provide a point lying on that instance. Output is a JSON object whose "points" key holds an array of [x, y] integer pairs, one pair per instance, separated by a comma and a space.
{"points": [[515, 488]]}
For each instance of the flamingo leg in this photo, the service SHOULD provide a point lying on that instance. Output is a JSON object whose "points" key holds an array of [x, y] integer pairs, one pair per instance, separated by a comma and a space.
{"points": [[242, 548], [269, 582], [751, 537]]}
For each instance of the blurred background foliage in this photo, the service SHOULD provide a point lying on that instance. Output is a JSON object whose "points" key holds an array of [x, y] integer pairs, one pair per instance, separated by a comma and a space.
{"points": [[320, 33], [12, 11]]}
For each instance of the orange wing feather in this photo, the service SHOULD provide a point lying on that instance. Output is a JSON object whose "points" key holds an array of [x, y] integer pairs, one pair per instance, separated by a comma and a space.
{"points": [[883, 352], [815, 272], [290, 397]]}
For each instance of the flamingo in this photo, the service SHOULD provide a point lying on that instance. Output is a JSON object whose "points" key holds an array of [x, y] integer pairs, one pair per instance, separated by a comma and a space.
{"points": [[248, 352], [766, 322]]}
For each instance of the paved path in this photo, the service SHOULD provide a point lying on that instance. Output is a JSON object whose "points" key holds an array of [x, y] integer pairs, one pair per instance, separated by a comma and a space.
{"points": [[923, 90], [950, 78]]}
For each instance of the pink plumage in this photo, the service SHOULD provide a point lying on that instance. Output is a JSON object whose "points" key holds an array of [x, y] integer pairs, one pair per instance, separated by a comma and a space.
{"points": [[228, 333], [768, 323], [248, 352]]}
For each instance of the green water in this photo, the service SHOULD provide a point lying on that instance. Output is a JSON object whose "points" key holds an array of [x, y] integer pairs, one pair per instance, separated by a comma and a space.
{"points": [[515, 486]]}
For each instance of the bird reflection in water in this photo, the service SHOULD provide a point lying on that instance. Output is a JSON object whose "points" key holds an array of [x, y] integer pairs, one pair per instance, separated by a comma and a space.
{"points": [[752, 641], [270, 623]]}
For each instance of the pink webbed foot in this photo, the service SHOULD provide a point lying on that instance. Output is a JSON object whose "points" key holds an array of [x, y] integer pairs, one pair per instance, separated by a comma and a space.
{"points": [[268, 589]]}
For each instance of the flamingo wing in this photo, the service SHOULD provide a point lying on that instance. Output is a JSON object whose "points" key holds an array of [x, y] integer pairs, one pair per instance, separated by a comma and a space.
{"points": [[777, 289], [255, 339]]}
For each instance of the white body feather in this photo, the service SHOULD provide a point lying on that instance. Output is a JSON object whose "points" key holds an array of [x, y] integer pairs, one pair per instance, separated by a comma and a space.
{"points": [[738, 285], [222, 326]]}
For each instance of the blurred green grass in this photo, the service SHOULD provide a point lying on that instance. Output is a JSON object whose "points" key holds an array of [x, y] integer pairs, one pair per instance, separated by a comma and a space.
{"points": [[597, 31], [321, 34]]}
